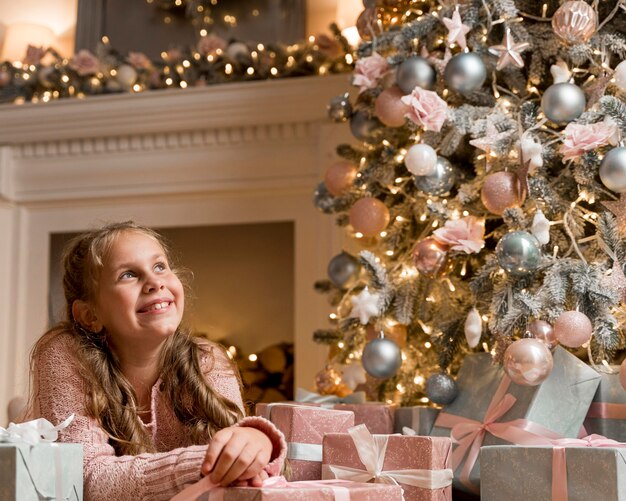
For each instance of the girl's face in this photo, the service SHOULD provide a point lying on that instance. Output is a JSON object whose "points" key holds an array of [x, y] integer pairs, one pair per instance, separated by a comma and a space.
{"points": [[139, 298]]}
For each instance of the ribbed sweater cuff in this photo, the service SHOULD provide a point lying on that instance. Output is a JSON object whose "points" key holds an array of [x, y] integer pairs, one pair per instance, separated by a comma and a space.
{"points": [[168, 475], [279, 445]]}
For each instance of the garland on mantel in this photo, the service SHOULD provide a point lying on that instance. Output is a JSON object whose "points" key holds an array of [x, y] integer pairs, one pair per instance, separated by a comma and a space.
{"points": [[44, 75]]}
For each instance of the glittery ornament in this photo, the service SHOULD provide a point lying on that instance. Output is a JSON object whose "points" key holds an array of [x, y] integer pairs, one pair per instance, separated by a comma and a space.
{"points": [[367, 24], [528, 362], [563, 102], [339, 177], [473, 328], [441, 389], [421, 160], [573, 329], [518, 252], [389, 109], [440, 182], [575, 22], [465, 72], [339, 108], [431, 257], [381, 358], [544, 332], [500, 191], [415, 71], [369, 216], [328, 382], [613, 170], [343, 269], [363, 126]]}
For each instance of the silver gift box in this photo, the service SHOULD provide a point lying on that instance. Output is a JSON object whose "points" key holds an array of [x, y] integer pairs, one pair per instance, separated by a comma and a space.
{"points": [[560, 403], [514, 473], [419, 418], [610, 391], [29, 473]]}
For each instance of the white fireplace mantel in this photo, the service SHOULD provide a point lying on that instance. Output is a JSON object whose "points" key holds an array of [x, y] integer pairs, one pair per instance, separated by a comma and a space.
{"points": [[228, 154]]}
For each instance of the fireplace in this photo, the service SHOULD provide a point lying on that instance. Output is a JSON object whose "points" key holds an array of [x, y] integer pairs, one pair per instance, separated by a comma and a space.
{"points": [[226, 156]]}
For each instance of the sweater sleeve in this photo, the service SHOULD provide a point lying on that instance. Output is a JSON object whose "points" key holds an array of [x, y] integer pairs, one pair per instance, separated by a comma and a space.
{"points": [[221, 374], [60, 391]]}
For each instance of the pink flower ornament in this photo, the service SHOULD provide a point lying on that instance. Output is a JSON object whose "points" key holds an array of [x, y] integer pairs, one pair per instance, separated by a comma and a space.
{"points": [[85, 63], [210, 45], [368, 71], [579, 138], [139, 60], [465, 235], [426, 109]]}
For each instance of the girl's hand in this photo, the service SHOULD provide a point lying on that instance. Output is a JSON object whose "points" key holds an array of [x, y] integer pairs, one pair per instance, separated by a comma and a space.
{"points": [[237, 453]]}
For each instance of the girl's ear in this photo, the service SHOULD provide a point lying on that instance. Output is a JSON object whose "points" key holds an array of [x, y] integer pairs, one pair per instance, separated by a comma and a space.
{"points": [[85, 315]]}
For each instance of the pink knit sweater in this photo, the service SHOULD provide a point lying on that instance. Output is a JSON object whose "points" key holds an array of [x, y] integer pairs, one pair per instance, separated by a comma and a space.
{"points": [[61, 391]]}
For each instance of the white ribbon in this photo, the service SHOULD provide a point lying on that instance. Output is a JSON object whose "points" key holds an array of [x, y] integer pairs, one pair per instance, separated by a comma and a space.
{"points": [[371, 450], [33, 432], [304, 452], [40, 431], [305, 396]]}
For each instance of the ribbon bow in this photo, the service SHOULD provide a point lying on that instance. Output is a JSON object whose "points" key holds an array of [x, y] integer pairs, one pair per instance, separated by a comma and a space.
{"points": [[559, 462], [371, 450], [33, 432], [305, 396], [469, 434]]}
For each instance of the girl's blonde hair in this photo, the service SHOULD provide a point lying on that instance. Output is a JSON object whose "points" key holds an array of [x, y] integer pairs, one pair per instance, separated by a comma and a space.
{"points": [[111, 400]]}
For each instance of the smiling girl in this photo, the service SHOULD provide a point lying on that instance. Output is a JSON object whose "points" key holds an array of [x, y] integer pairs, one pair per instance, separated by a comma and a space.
{"points": [[156, 408]]}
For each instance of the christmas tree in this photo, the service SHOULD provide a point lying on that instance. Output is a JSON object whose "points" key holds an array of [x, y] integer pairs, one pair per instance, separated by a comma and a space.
{"points": [[484, 199]]}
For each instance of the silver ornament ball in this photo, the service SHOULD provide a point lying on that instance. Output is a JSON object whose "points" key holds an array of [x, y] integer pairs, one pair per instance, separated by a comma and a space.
{"points": [[415, 71], [381, 358], [342, 269], [339, 108], [613, 170], [440, 181], [518, 252], [363, 126], [563, 102], [441, 389], [465, 72]]}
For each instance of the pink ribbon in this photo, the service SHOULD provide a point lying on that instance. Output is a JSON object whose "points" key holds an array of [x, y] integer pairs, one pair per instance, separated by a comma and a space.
{"points": [[603, 410], [559, 462], [469, 434], [216, 493]]}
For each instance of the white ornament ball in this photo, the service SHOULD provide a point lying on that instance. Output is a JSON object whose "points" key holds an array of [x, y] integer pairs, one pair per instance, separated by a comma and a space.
{"points": [[421, 160], [620, 76], [613, 170], [126, 76]]}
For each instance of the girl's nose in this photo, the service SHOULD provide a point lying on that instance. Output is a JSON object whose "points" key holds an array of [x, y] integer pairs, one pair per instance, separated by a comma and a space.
{"points": [[152, 284]]}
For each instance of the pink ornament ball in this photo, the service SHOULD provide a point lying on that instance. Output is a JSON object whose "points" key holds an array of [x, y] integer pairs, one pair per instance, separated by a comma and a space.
{"points": [[573, 329], [389, 108], [544, 332], [501, 191], [622, 374], [431, 257], [369, 216], [528, 362], [339, 177]]}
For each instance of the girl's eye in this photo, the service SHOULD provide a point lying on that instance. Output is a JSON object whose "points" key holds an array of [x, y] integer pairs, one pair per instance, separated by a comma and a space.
{"points": [[160, 267], [127, 274]]}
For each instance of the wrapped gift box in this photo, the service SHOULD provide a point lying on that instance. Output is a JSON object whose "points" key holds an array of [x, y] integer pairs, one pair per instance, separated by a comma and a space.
{"points": [[556, 408], [607, 413], [518, 473], [308, 491], [396, 457], [378, 417], [419, 418], [304, 428], [29, 472]]}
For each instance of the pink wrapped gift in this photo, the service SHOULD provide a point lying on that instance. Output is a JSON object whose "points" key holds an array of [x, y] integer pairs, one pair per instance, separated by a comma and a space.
{"points": [[304, 428], [421, 465], [278, 489], [378, 417]]}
